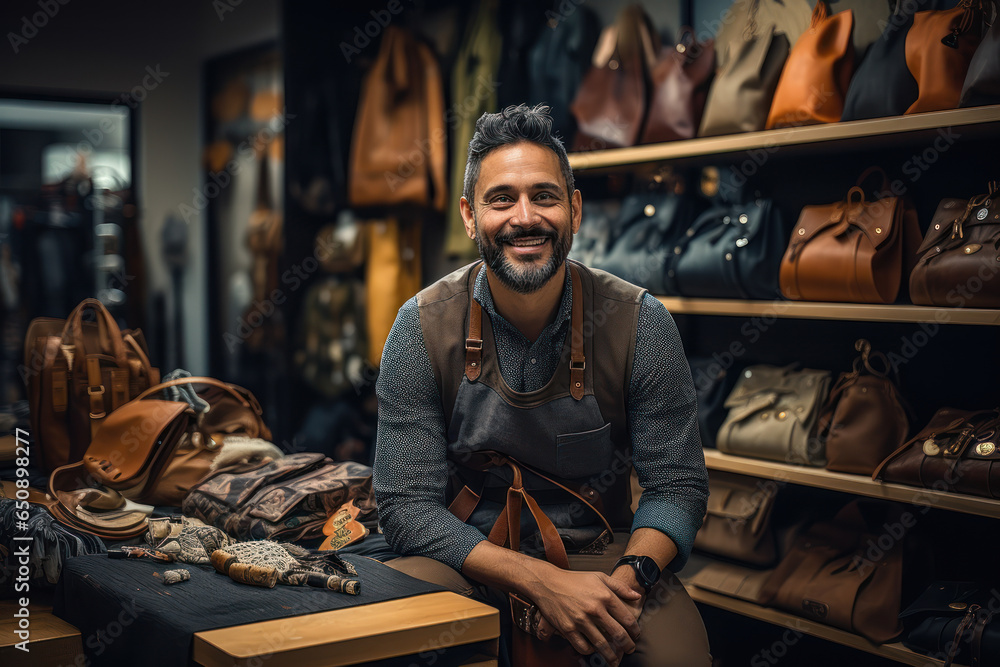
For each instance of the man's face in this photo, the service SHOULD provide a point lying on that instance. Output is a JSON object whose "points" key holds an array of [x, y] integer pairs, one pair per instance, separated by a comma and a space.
{"points": [[523, 220]]}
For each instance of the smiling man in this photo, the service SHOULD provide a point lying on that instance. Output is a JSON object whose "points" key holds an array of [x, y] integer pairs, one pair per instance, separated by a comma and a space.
{"points": [[529, 362]]}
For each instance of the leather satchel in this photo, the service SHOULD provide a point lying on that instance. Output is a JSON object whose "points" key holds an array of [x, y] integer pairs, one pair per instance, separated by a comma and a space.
{"points": [[680, 79], [958, 257], [955, 452], [817, 73], [955, 619], [864, 420], [773, 414], [856, 250], [827, 575], [730, 251], [79, 372], [939, 49], [738, 519]]}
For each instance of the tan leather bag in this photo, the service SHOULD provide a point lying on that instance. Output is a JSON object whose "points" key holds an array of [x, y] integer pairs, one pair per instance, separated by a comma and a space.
{"points": [[939, 48], [738, 519], [856, 250], [814, 81], [399, 147], [78, 372]]}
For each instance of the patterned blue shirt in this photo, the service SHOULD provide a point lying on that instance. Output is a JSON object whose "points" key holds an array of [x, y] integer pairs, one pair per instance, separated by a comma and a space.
{"points": [[410, 471]]}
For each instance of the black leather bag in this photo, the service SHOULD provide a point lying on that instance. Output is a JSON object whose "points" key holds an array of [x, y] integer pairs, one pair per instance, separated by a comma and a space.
{"points": [[982, 83], [730, 251], [954, 621], [712, 384], [648, 228]]}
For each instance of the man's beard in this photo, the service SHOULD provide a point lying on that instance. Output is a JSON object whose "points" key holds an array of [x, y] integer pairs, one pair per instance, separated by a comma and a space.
{"points": [[527, 278]]}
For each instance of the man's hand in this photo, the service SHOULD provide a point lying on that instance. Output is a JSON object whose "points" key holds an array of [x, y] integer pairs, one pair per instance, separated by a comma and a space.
{"points": [[593, 611]]}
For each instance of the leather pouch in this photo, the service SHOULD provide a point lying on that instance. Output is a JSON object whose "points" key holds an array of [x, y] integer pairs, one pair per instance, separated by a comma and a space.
{"points": [[959, 256], [954, 619], [737, 522], [955, 452], [818, 70], [773, 413], [730, 251], [856, 250], [864, 420]]}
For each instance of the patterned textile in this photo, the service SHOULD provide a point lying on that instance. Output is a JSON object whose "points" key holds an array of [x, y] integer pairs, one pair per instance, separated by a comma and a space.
{"points": [[293, 565], [187, 539]]}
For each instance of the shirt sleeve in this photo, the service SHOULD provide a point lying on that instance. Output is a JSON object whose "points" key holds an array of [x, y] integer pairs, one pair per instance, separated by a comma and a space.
{"points": [[663, 423], [410, 472]]}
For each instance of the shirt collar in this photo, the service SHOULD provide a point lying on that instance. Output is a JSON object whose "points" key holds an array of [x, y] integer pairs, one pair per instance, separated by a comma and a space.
{"points": [[481, 293]]}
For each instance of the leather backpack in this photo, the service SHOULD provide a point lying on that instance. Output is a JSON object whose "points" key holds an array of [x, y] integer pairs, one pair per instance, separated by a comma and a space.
{"points": [[77, 373]]}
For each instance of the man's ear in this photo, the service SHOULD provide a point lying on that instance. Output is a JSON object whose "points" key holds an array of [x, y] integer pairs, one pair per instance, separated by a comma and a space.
{"points": [[468, 218], [577, 200]]}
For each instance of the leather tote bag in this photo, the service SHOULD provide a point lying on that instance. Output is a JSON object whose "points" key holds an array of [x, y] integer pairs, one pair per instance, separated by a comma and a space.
{"points": [[856, 250], [939, 49], [955, 619], [773, 414], [610, 106], [648, 227], [730, 251], [818, 70], [956, 451], [737, 522], [79, 372], [863, 420], [827, 576], [398, 151], [680, 79], [982, 82], [959, 258]]}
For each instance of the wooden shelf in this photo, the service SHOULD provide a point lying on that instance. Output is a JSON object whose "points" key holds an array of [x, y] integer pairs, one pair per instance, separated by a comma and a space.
{"points": [[896, 651], [813, 310], [856, 484], [884, 128]]}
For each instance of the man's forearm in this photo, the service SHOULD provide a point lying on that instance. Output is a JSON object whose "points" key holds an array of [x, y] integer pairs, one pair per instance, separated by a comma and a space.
{"points": [[646, 542]]}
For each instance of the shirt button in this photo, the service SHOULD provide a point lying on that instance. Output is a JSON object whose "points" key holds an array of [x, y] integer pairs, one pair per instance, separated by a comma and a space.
{"points": [[534, 361]]}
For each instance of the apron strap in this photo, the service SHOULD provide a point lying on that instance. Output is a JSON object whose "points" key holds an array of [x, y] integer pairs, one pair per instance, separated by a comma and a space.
{"points": [[474, 343], [578, 362]]}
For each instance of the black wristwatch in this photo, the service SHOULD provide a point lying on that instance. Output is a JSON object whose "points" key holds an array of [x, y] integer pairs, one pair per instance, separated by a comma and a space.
{"points": [[647, 572]]}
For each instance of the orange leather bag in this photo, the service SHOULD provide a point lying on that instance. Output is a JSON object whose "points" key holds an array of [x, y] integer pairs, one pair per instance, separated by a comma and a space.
{"points": [[399, 147], [939, 48], [815, 78], [855, 250]]}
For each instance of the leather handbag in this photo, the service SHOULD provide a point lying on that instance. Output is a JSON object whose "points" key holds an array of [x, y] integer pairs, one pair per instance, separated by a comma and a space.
{"points": [[773, 414], [730, 251], [738, 519], [78, 372], [939, 48], [610, 106], [827, 575], [713, 383], [398, 151], [958, 257], [817, 73], [856, 250], [982, 82], [679, 84], [392, 275], [648, 227], [863, 420], [955, 452], [954, 619]]}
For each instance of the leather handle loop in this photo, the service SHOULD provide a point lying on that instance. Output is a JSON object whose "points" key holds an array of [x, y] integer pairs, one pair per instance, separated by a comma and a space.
{"points": [[874, 169], [247, 401], [154, 376], [108, 332]]}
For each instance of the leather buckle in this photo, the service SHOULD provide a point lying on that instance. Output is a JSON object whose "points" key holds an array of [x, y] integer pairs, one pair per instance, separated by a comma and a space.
{"points": [[574, 367], [473, 344], [98, 415], [91, 392]]}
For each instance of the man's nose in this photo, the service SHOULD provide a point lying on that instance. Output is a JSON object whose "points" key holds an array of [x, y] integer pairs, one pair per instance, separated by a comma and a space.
{"points": [[524, 214]]}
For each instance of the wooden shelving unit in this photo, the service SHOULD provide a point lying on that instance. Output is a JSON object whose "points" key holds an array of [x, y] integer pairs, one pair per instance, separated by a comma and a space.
{"points": [[854, 484]]}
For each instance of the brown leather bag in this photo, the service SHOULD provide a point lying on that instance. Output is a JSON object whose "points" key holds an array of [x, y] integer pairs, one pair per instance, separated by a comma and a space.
{"points": [[610, 105], [679, 83], [856, 250], [828, 576], [814, 81], [738, 519], [399, 151], [939, 48], [864, 419], [956, 452], [958, 258], [78, 373]]}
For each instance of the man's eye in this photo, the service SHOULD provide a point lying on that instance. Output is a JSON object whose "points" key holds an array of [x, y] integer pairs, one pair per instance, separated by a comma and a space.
{"points": [[502, 199], [544, 196]]}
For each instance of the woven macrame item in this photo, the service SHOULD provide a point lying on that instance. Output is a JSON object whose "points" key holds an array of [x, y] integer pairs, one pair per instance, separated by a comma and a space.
{"points": [[265, 563]]}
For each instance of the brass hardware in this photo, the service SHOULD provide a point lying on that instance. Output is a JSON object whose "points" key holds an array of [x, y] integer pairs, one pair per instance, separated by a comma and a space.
{"points": [[782, 414], [983, 212], [985, 448], [800, 409], [878, 230], [677, 250], [937, 226], [740, 243], [650, 210], [681, 48], [765, 415], [726, 220], [613, 64], [931, 448], [743, 218], [957, 606], [729, 256], [971, 248], [747, 374], [690, 232], [802, 231]]}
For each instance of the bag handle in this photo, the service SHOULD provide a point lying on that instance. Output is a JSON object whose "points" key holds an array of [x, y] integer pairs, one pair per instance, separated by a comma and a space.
{"points": [[108, 333], [248, 400], [147, 366]]}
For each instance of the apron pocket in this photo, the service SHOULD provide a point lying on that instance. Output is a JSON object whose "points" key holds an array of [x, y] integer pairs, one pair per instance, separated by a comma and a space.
{"points": [[584, 454]]}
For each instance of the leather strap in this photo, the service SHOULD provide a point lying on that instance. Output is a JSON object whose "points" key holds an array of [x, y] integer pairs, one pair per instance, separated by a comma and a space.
{"points": [[95, 390], [109, 335], [578, 361], [474, 343], [246, 401], [983, 619], [151, 373], [956, 642], [464, 504]]}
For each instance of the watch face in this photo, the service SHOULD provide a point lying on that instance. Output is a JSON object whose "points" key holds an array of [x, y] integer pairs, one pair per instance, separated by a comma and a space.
{"points": [[648, 570]]}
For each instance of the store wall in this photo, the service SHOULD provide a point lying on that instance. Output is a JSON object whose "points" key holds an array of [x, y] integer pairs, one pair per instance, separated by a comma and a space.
{"points": [[111, 47]]}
